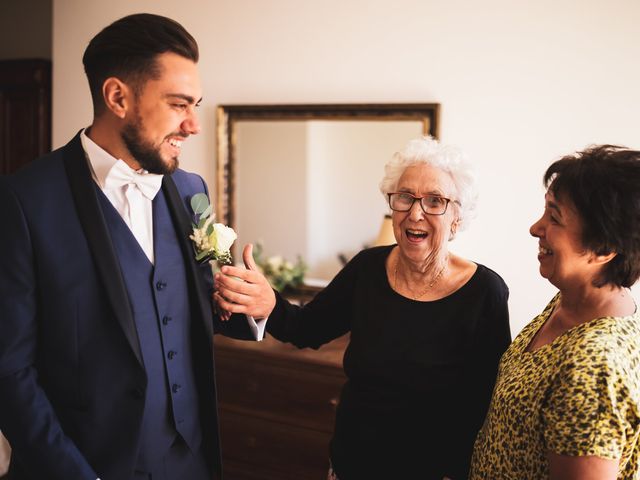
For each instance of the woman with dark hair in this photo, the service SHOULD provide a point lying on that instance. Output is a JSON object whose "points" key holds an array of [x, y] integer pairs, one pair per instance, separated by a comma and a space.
{"points": [[567, 399]]}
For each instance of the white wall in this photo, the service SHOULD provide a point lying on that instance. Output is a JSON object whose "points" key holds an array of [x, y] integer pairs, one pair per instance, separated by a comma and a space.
{"points": [[520, 83]]}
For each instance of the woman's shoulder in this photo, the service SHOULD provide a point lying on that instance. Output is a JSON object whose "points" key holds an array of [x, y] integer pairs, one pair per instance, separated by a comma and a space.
{"points": [[608, 337], [610, 347], [490, 275], [367, 263], [489, 280], [372, 255]]}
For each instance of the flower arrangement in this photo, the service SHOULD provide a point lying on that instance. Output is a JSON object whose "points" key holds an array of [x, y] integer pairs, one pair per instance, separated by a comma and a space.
{"points": [[212, 241], [280, 272]]}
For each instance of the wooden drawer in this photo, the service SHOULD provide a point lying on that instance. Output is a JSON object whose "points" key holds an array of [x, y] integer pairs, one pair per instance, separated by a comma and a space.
{"points": [[277, 408], [288, 391], [257, 448]]}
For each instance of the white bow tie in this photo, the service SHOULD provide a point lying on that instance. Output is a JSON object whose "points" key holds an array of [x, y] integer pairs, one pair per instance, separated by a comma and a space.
{"points": [[121, 174]]}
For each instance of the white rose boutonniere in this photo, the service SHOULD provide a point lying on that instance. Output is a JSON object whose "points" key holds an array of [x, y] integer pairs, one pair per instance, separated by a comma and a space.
{"points": [[212, 241]]}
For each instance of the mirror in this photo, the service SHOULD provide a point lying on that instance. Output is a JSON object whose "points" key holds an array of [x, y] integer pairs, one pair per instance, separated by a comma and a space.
{"points": [[303, 179]]}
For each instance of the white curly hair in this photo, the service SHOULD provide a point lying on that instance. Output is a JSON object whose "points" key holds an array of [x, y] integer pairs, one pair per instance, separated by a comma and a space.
{"points": [[450, 159]]}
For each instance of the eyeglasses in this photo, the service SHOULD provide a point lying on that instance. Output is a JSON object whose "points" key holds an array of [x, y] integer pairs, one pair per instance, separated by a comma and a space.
{"points": [[430, 204]]}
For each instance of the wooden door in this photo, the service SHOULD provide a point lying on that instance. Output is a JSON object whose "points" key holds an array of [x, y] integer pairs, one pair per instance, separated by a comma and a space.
{"points": [[25, 112]]}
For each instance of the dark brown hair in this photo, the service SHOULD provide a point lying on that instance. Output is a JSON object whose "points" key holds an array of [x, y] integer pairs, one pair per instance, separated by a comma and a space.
{"points": [[128, 49], [603, 182]]}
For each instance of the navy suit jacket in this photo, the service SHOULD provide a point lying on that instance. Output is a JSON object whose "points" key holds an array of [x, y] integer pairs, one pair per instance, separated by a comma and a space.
{"points": [[71, 376]]}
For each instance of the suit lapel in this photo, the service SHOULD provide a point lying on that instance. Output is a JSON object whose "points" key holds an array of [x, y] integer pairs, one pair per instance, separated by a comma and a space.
{"points": [[182, 223], [95, 229]]}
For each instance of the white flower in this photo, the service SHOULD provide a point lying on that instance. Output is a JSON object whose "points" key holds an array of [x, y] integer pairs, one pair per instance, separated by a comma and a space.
{"points": [[274, 262], [280, 272], [222, 238]]}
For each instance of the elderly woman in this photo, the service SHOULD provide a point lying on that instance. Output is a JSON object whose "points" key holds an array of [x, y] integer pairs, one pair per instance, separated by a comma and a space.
{"points": [[567, 399], [427, 329]]}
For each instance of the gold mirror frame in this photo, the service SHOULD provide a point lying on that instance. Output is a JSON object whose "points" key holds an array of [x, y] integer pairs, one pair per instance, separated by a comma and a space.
{"points": [[228, 115]]}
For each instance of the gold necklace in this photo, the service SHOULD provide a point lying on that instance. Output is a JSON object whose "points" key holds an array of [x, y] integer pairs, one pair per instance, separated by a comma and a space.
{"points": [[429, 287]]}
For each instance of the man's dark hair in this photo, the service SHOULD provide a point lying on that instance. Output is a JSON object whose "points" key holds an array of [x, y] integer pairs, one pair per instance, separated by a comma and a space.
{"points": [[128, 49], [603, 182]]}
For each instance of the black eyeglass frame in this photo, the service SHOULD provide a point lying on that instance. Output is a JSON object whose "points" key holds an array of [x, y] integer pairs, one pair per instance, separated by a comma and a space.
{"points": [[419, 199]]}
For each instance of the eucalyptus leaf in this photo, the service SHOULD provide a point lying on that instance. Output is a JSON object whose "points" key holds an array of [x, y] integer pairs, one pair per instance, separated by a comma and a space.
{"points": [[199, 203], [202, 255], [210, 229], [202, 222], [207, 212]]}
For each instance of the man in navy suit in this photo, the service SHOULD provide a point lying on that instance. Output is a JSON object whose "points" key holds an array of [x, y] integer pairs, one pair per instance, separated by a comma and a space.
{"points": [[106, 325]]}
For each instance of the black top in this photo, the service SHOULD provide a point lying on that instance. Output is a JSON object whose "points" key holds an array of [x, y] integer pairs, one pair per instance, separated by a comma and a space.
{"points": [[420, 374]]}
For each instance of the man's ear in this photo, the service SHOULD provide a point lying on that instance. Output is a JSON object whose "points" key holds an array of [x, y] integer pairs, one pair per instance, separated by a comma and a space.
{"points": [[596, 259], [117, 96]]}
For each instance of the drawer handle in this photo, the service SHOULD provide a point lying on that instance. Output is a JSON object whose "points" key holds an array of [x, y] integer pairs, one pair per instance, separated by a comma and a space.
{"points": [[333, 402]]}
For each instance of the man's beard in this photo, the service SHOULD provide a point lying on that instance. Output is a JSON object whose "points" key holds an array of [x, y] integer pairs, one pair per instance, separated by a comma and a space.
{"points": [[145, 153]]}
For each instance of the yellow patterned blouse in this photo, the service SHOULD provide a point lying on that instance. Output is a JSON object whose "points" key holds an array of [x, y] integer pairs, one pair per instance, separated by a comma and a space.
{"points": [[578, 395]]}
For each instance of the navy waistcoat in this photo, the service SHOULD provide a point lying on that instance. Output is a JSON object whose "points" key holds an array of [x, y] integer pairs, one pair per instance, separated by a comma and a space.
{"points": [[159, 298]]}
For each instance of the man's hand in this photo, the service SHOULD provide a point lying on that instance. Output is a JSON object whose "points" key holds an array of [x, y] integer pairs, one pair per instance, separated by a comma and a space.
{"points": [[243, 290]]}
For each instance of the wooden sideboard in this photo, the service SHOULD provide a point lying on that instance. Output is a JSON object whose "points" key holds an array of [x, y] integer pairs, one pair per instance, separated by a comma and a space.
{"points": [[277, 407]]}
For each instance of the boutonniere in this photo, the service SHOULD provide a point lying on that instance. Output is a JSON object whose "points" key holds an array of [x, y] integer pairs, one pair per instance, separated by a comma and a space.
{"points": [[212, 241]]}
